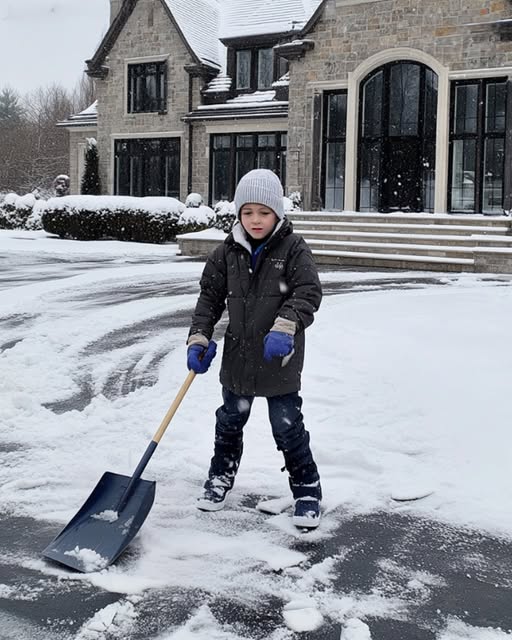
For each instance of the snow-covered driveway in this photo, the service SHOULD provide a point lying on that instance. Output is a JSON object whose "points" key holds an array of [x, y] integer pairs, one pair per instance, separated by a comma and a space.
{"points": [[406, 390]]}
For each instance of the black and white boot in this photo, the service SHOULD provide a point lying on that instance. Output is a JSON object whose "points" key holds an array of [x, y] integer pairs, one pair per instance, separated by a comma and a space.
{"points": [[215, 492], [307, 513]]}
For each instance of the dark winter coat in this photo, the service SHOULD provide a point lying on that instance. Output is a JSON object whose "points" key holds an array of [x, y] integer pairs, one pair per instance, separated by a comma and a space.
{"points": [[284, 283]]}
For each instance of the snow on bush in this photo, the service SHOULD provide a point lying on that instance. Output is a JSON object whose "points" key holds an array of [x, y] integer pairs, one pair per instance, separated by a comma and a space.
{"points": [[150, 219], [194, 200], [15, 210]]}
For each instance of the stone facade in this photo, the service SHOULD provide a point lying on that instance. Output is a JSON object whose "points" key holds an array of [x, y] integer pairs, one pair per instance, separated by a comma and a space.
{"points": [[148, 33], [349, 33], [351, 39]]}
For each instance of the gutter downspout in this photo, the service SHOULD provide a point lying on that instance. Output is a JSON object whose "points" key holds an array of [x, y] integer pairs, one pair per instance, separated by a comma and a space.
{"points": [[190, 133]]}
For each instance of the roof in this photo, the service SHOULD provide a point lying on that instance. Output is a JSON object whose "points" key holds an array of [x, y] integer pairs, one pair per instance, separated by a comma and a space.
{"points": [[249, 18], [201, 32], [86, 118], [204, 24]]}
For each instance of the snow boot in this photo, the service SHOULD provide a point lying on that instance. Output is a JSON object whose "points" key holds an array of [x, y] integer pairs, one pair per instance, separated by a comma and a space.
{"points": [[215, 492], [306, 514]]}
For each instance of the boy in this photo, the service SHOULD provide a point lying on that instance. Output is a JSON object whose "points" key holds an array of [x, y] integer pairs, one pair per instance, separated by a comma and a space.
{"points": [[268, 278]]}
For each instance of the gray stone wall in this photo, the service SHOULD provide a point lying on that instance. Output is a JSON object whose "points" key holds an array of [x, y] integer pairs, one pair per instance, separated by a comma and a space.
{"points": [[350, 32], [148, 32]]}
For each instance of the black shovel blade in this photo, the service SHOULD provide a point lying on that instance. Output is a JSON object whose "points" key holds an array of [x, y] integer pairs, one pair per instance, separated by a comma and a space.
{"points": [[98, 534]]}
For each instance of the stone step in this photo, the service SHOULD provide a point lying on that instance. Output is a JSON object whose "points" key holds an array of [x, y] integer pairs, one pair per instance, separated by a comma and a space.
{"points": [[439, 251], [397, 261], [435, 219], [398, 227], [473, 240]]}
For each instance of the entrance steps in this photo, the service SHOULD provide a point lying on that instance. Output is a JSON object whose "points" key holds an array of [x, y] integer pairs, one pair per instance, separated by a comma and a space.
{"points": [[431, 242]]}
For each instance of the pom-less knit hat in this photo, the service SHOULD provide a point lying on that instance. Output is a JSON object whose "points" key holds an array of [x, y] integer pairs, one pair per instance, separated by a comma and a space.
{"points": [[260, 186]]}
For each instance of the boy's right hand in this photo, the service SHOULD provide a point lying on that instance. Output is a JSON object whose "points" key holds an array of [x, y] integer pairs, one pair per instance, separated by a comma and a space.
{"points": [[199, 358]]}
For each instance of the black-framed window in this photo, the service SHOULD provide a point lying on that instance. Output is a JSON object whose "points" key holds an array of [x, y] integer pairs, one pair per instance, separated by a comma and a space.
{"points": [[477, 145], [233, 155], [147, 87], [147, 167], [333, 149], [257, 68], [397, 141]]}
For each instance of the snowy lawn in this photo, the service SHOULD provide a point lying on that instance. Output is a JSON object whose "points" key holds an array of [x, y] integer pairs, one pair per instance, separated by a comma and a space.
{"points": [[406, 394]]}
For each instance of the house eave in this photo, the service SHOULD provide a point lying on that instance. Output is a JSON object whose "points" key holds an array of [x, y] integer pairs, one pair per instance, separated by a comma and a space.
{"points": [[238, 113]]}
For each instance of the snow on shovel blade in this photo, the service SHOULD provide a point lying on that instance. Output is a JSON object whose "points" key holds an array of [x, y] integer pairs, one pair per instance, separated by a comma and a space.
{"points": [[98, 534]]}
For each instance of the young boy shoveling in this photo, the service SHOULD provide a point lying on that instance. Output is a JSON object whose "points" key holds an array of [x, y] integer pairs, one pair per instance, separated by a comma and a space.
{"points": [[267, 277]]}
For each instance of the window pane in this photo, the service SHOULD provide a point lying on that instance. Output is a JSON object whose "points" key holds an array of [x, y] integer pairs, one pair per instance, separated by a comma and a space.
{"points": [[493, 175], [336, 114], [245, 161], [245, 141], [370, 177], [282, 67], [221, 175], [404, 99], [267, 160], [243, 69], [221, 142], [265, 68], [335, 176], [496, 100], [268, 140], [372, 100], [429, 175], [431, 94], [463, 175], [466, 108]]}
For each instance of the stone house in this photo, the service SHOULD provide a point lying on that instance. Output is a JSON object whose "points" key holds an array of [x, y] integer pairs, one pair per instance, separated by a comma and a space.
{"points": [[360, 105]]}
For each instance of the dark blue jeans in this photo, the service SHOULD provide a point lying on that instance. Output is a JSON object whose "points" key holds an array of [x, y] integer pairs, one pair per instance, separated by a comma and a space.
{"points": [[287, 428]]}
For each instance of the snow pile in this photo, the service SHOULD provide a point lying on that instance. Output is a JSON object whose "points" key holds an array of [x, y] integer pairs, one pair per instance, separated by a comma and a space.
{"points": [[88, 558], [355, 629], [114, 621]]}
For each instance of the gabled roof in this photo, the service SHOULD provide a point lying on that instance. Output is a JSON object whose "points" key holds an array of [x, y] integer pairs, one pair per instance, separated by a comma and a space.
{"points": [[198, 21], [204, 23], [252, 18]]}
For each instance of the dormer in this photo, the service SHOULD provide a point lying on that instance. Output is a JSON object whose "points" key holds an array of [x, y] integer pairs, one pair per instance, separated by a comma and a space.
{"points": [[253, 64]]}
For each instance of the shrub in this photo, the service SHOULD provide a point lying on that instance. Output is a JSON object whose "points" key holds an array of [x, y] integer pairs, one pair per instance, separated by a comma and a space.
{"points": [[225, 215], [150, 219], [15, 210], [91, 184]]}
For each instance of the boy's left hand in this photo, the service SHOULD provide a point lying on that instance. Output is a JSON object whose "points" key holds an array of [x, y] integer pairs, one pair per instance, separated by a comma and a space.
{"points": [[277, 344]]}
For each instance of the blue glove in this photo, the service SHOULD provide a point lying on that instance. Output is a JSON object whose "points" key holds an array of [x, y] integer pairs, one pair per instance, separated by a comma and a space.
{"points": [[277, 344], [199, 358]]}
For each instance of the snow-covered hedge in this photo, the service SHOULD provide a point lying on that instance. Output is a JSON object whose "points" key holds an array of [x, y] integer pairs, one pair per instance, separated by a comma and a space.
{"points": [[16, 212], [150, 219]]}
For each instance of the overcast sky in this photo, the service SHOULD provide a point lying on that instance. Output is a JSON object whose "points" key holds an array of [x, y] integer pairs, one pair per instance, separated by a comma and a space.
{"points": [[47, 41]]}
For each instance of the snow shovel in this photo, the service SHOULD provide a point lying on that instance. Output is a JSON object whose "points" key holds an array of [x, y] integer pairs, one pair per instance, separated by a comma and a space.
{"points": [[113, 513]]}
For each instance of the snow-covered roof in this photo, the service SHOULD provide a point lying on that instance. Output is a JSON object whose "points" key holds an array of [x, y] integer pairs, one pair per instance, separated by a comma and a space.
{"points": [[205, 24], [252, 18], [199, 22], [87, 117]]}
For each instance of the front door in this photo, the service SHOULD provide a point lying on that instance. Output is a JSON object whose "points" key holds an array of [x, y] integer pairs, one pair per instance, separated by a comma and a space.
{"points": [[397, 138], [401, 175]]}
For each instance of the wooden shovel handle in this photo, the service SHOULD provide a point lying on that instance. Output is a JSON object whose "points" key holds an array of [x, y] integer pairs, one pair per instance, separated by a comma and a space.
{"points": [[174, 406]]}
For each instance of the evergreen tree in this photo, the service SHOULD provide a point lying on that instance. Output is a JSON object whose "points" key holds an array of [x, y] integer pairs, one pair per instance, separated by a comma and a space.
{"points": [[91, 179], [11, 111]]}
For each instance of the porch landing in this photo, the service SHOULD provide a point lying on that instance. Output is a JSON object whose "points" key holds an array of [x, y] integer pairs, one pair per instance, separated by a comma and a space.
{"points": [[423, 242]]}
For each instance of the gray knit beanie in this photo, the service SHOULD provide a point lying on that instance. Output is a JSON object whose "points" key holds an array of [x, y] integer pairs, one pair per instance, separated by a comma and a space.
{"points": [[260, 186]]}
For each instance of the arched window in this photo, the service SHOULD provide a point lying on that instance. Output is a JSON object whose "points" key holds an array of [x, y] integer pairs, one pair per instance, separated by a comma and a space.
{"points": [[397, 138]]}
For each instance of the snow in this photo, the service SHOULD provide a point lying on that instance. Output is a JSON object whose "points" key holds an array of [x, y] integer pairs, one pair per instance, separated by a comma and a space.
{"points": [[88, 558], [302, 615], [409, 383], [151, 204]]}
